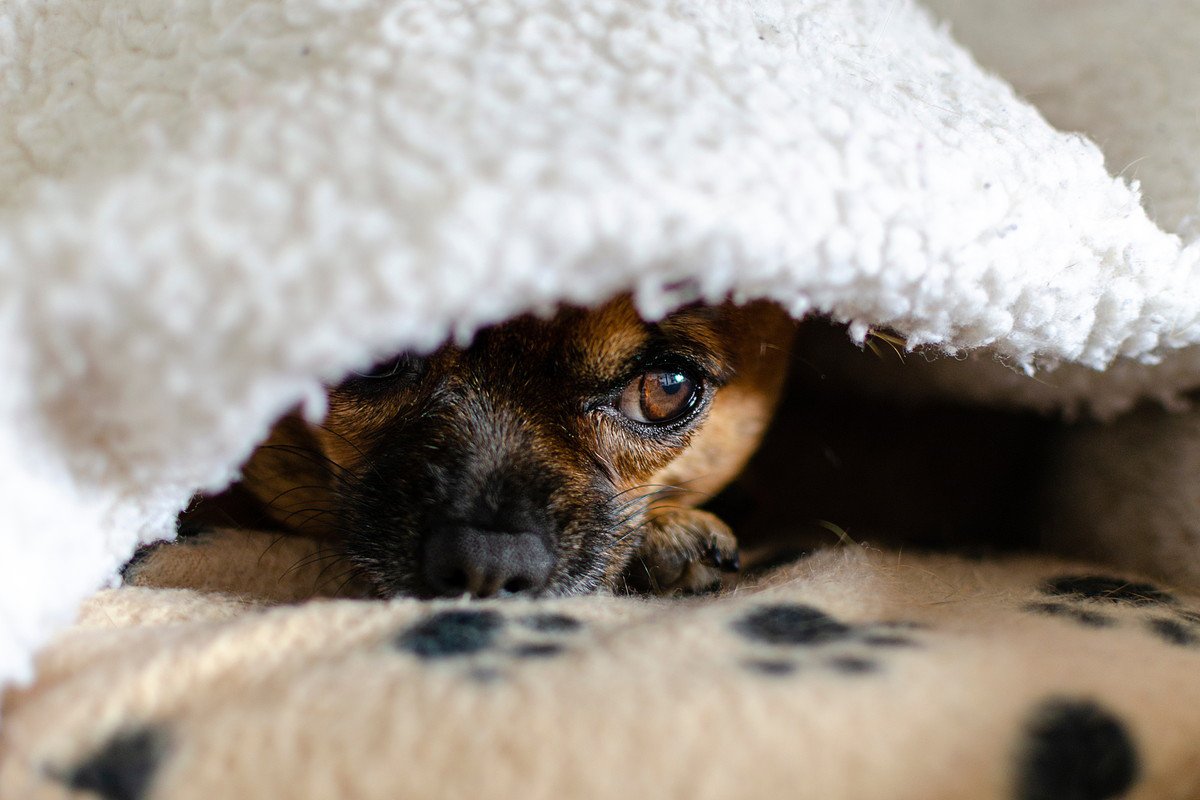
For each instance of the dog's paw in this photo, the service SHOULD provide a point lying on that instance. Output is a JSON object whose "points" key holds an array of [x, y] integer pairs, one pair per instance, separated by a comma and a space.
{"points": [[260, 565], [686, 551]]}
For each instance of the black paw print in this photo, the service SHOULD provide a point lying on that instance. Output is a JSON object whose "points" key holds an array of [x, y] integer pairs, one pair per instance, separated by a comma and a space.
{"points": [[122, 768], [485, 638], [789, 633], [1103, 601], [1074, 748]]}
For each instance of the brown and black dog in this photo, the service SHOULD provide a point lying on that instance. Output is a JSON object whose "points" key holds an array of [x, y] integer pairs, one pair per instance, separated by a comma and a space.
{"points": [[551, 456]]}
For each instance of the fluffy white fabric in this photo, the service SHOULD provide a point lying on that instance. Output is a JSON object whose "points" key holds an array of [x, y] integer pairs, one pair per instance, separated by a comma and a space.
{"points": [[208, 209]]}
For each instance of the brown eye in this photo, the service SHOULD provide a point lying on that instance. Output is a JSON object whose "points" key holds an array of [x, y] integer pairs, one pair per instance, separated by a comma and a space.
{"points": [[659, 396]]}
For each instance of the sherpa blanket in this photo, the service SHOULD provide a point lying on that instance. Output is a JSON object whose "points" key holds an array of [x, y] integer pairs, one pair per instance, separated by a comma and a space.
{"points": [[208, 210]]}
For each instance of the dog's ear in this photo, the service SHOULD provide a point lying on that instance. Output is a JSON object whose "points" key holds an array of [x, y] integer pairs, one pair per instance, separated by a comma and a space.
{"points": [[292, 477]]}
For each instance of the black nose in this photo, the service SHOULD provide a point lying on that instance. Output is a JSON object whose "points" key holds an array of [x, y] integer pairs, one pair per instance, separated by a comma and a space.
{"points": [[486, 563]]}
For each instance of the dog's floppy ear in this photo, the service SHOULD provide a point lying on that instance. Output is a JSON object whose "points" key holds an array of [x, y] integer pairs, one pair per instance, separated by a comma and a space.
{"points": [[290, 475]]}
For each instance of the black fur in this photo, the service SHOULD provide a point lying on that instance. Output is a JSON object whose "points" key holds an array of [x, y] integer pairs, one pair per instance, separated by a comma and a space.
{"points": [[477, 465]]}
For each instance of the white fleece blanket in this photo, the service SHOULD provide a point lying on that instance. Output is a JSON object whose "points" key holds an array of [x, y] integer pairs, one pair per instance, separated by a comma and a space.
{"points": [[207, 209]]}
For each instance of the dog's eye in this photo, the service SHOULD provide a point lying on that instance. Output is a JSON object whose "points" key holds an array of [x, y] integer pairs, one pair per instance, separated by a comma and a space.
{"points": [[657, 397], [398, 368]]}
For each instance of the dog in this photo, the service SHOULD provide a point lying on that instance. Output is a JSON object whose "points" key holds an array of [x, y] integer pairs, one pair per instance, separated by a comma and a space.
{"points": [[552, 456]]}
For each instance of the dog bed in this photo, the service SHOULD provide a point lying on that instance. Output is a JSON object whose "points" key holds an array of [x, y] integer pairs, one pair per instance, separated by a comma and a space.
{"points": [[208, 211]]}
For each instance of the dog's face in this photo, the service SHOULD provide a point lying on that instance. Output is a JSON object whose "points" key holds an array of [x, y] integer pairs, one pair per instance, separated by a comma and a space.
{"points": [[537, 459]]}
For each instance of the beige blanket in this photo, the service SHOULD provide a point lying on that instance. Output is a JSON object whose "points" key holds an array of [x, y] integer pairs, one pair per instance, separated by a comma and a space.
{"points": [[853, 673]]}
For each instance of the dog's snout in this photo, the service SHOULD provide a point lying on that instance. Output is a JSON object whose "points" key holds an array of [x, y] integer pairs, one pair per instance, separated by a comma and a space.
{"points": [[486, 563]]}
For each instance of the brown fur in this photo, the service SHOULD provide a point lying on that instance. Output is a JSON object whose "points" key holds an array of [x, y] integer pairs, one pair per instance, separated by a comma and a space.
{"points": [[527, 409]]}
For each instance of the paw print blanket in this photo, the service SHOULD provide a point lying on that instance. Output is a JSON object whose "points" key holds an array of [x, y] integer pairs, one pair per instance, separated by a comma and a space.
{"points": [[851, 674], [210, 211]]}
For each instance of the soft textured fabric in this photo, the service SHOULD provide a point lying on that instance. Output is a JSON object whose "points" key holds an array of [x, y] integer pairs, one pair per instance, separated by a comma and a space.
{"points": [[852, 674], [208, 209]]}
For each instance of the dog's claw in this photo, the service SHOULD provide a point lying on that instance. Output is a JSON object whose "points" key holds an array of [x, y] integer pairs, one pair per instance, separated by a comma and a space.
{"points": [[685, 552], [724, 560]]}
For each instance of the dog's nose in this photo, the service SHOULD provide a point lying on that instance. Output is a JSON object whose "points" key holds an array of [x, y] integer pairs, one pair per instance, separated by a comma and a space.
{"points": [[486, 563]]}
